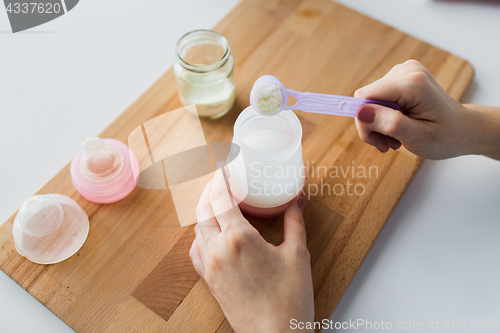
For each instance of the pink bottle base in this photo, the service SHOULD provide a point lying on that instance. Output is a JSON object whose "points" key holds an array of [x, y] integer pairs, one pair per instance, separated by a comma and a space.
{"points": [[263, 212], [124, 191], [121, 185], [266, 212]]}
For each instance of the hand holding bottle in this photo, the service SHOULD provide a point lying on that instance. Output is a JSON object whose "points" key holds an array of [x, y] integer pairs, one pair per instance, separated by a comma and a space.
{"points": [[431, 124], [259, 286]]}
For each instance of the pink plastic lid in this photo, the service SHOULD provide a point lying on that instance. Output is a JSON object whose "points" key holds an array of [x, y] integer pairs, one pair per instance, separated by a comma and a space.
{"points": [[102, 170]]}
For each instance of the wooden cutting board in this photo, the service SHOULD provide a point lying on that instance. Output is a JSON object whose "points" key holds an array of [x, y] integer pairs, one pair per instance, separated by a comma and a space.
{"points": [[134, 274]]}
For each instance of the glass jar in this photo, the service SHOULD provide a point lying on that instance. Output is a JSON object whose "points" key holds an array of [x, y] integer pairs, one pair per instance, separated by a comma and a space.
{"points": [[204, 70], [274, 172]]}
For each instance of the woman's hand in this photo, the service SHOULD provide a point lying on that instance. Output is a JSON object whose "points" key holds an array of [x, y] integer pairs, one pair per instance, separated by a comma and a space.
{"points": [[259, 286], [432, 124]]}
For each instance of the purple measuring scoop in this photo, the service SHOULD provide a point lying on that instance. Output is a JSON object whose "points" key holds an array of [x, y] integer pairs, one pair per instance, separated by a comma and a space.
{"points": [[314, 102]]}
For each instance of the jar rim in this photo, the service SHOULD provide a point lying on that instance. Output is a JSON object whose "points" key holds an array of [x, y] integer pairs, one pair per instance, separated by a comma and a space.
{"points": [[247, 114], [189, 37]]}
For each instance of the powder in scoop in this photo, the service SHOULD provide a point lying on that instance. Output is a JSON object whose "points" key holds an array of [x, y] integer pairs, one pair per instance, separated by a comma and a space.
{"points": [[269, 99]]}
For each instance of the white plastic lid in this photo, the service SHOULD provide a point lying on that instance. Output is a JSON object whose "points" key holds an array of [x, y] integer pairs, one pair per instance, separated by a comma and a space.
{"points": [[100, 161], [49, 228]]}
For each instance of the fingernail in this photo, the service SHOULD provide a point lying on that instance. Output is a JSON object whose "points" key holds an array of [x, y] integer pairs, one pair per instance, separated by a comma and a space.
{"points": [[301, 203], [366, 114]]}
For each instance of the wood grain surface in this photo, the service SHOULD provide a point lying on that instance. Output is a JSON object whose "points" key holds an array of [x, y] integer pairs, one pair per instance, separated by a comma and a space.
{"points": [[134, 274]]}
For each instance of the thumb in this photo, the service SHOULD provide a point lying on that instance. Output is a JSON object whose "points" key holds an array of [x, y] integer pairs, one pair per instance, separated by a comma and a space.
{"points": [[295, 231], [387, 121]]}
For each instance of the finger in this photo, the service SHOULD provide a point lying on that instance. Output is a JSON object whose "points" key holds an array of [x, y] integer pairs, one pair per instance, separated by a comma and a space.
{"points": [[196, 260], [200, 243], [387, 121], [390, 89], [407, 67], [397, 71], [207, 223], [294, 226], [379, 141], [223, 205], [394, 143]]}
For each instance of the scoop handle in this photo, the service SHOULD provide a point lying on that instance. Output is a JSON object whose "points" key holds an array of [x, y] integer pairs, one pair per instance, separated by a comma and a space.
{"points": [[331, 104]]}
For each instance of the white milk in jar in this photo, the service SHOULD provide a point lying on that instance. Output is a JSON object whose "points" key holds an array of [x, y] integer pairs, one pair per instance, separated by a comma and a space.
{"points": [[204, 70]]}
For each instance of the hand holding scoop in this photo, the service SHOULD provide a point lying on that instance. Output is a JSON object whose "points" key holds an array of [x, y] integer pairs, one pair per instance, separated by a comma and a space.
{"points": [[268, 97]]}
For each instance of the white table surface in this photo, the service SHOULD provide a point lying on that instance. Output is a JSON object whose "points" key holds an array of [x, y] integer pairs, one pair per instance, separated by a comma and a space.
{"points": [[437, 257]]}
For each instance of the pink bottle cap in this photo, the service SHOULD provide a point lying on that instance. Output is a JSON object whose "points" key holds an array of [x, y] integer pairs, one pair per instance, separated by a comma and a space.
{"points": [[102, 170]]}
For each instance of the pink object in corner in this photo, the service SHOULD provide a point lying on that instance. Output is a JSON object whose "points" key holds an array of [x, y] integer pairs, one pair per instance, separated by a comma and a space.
{"points": [[96, 183]]}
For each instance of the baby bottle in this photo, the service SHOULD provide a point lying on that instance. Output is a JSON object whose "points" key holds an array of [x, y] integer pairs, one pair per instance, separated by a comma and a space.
{"points": [[273, 167], [49, 228], [102, 170]]}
